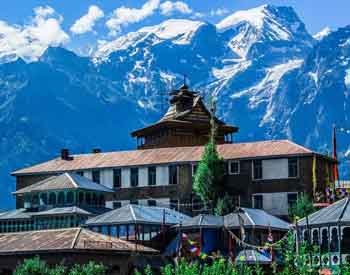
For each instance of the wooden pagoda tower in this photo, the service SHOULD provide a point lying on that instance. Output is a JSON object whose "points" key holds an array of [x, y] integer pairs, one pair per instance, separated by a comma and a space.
{"points": [[186, 123]]}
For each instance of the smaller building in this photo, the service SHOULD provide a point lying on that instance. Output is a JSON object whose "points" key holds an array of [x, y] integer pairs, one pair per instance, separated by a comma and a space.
{"points": [[328, 229], [72, 246], [67, 200], [141, 224]]}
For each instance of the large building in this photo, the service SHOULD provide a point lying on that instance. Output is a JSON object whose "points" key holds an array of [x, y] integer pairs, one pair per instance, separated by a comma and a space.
{"points": [[266, 174]]}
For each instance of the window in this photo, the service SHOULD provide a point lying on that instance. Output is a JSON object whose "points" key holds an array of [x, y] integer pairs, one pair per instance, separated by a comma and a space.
{"points": [[80, 173], [257, 169], [96, 176], [117, 204], [172, 174], [258, 201], [174, 204], [152, 175], [134, 202], [292, 199], [152, 203], [117, 178], [292, 167], [134, 177], [234, 167]]}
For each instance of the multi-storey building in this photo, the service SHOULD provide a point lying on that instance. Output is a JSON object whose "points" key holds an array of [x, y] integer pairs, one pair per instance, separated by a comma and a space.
{"points": [[266, 174]]}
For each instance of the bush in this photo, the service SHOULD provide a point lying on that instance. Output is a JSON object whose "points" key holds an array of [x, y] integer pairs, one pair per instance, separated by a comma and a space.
{"points": [[35, 266]]}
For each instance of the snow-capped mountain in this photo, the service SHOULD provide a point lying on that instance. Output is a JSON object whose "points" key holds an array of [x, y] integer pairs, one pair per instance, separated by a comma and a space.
{"points": [[271, 78]]}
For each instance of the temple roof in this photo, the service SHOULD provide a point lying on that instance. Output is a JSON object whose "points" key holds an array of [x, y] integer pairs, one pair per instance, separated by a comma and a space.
{"points": [[249, 150], [182, 104], [63, 182]]}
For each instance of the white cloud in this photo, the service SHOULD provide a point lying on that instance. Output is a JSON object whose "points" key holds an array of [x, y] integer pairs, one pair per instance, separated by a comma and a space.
{"points": [[86, 23], [219, 12], [168, 8], [31, 40], [124, 16]]}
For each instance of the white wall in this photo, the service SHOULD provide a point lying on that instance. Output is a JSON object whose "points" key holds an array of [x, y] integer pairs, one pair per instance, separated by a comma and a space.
{"points": [[275, 203], [275, 169], [107, 178], [162, 177], [125, 177], [143, 176]]}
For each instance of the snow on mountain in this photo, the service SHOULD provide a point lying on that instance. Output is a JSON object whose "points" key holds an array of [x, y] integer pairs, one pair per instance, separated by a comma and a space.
{"points": [[262, 25], [179, 31], [323, 33], [270, 76]]}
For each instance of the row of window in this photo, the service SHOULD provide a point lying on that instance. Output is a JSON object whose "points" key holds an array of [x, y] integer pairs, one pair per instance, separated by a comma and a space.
{"points": [[231, 167], [173, 203], [134, 176]]}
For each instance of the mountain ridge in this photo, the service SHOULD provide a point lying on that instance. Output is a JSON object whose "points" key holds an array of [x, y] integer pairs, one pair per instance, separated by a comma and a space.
{"points": [[273, 88]]}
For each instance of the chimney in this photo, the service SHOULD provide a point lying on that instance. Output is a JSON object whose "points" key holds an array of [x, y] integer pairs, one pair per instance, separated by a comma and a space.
{"points": [[65, 155], [96, 150]]}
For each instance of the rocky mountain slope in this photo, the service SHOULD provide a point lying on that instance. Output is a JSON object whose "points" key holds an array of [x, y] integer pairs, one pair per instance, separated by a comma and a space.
{"points": [[271, 78]]}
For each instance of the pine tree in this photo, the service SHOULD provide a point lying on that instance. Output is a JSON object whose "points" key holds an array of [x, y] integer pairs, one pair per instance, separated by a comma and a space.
{"points": [[208, 179]]}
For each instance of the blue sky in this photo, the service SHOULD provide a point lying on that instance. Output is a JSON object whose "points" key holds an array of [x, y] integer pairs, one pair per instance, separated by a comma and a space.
{"points": [[111, 18]]}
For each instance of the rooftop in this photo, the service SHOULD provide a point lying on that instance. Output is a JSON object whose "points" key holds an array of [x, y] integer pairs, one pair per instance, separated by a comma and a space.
{"points": [[336, 213], [63, 182], [250, 218], [260, 149], [131, 214], [64, 239]]}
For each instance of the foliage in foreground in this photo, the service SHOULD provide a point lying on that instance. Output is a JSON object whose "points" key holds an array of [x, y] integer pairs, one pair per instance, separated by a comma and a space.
{"points": [[35, 266], [294, 264]]}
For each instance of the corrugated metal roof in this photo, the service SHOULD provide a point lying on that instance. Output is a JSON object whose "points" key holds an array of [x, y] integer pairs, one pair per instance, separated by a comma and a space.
{"points": [[131, 214], [204, 221], [63, 239], [338, 212], [63, 211], [166, 155], [250, 218], [63, 182], [15, 214]]}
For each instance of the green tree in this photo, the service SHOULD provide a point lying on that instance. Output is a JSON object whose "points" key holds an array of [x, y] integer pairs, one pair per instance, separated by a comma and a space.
{"points": [[91, 268], [210, 172], [35, 266], [303, 208]]}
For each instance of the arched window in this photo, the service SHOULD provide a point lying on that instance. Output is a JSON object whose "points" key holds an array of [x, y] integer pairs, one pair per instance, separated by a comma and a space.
{"points": [[81, 198], [52, 199], [36, 199], [345, 242], [94, 199], [60, 199], [70, 197], [43, 199], [324, 240], [101, 200], [334, 240], [315, 237], [305, 236], [88, 198]]}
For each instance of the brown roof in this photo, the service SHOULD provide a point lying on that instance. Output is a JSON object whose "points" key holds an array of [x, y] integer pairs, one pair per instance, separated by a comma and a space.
{"points": [[166, 155], [64, 239]]}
